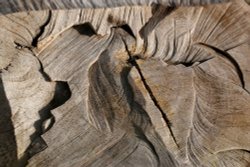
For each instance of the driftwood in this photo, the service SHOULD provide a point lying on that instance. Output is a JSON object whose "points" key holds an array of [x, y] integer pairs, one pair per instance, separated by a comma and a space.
{"points": [[124, 83]]}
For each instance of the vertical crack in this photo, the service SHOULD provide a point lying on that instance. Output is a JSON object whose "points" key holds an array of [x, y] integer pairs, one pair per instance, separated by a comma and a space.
{"points": [[42, 29], [230, 58], [132, 61]]}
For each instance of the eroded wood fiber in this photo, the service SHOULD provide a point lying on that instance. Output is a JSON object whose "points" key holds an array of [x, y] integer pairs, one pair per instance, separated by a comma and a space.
{"points": [[128, 83]]}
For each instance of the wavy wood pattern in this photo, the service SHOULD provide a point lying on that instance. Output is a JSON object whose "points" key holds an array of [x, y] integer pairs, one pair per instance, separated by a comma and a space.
{"points": [[128, 83], [27, 5]]}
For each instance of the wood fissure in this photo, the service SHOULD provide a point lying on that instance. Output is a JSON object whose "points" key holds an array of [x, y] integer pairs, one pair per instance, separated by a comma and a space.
{"points": [[124, 83], [132, 61]]}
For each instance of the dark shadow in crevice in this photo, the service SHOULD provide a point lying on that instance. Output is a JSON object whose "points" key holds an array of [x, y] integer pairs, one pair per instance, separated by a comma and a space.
{"points": [[136, 122], [231, 59], [132, 60], [85, 29], [42, 29], [61, 95], [248, 151], [126, 28], [44, 74], [190, 63], [137, 112], [8, 146], [187, 64], [156, 103], [139, 118]]}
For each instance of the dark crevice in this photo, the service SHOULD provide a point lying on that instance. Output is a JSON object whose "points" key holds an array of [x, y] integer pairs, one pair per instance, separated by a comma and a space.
{"points": [[6, 67], [226, 55], [248, 151], [229, 150], [127, 29], [190, 63], [132, 61], [61, 95], [44, 74], [138, 126], [120, 24], [85, 29], [164, 116], [202, 61], [187, 64], [20, 46], [8, 146], [42, 29]]}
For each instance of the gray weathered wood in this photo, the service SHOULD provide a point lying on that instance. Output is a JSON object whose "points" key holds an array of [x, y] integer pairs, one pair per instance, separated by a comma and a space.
{"points": [[128, 83]]}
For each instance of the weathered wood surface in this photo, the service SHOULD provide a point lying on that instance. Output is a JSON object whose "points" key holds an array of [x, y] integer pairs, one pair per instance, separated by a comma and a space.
{"points": [[124, 83], [27, 5]]}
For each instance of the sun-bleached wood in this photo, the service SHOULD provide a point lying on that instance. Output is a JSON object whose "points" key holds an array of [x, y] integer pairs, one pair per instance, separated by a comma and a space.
{"points": [[28, 5], [128, 83]]}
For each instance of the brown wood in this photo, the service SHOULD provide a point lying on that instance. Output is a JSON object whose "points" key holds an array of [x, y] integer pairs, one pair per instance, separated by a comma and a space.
{"points": [[124, 83]]}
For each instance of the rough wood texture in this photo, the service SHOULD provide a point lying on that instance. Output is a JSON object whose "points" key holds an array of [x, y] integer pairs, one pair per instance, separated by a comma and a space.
{"points": [[26, 5], [124, 83]]}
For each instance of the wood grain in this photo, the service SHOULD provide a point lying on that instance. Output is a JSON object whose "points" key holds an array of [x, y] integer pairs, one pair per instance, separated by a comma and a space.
{"points": [[128, 83]]}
